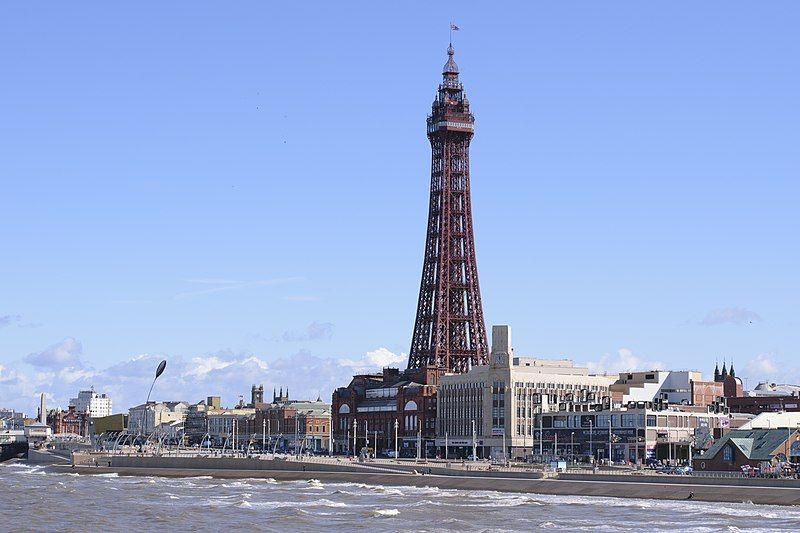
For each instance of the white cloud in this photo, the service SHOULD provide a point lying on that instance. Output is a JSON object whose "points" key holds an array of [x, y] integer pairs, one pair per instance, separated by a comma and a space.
{"points": [[374, 361], [316, 331], [624, 361], [763, 365], [64, 353], [204, 365], [223, 373], [730, 315]]}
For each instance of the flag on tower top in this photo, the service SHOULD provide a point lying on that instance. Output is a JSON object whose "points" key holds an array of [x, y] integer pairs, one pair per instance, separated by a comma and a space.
{"points": [[453, 27]]}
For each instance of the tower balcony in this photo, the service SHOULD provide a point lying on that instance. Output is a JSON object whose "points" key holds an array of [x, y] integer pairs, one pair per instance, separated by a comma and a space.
{"points": [[450, 125]]}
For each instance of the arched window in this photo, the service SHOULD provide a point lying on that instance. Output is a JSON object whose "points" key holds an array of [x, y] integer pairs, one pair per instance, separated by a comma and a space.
{"points": [[727, 453], [411, 406], [344, 409]]}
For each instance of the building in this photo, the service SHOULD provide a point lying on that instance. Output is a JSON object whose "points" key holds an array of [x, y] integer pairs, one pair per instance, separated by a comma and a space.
{"points": [[639, 432], [195, 426], [765, 397], [385, 407], [289, 424], [145, 418], [69, 422], [671, 387], [497, 405], [221, 424], [257, 396], [449, 331], [93, 404], [112, 424], [10, 419], [765, 444], [37, 430]]}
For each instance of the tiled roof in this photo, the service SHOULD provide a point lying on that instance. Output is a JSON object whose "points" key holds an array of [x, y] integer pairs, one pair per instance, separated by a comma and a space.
{"points": [[755, 444]]}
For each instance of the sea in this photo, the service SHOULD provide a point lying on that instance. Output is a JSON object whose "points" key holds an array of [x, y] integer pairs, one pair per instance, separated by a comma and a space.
{"points": [[36, 498]]}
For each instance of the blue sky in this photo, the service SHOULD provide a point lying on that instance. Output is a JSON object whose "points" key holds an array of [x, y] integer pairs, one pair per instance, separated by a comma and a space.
{"points": [[223, 184]]}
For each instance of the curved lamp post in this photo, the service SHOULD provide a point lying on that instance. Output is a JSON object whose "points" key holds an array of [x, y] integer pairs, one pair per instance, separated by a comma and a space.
{"points": [[160, 370]]}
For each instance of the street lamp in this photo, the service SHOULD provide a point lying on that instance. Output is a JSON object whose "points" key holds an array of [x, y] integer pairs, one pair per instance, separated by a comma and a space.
{"points": [[572, 447], [474, 450], [396, 426], [160, 370]]}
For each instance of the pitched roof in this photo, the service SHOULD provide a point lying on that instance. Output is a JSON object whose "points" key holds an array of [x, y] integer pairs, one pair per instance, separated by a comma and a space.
{"points": [[755, 444]]}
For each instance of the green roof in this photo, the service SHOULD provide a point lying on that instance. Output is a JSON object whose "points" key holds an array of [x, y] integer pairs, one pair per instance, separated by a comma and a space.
{"points": [[755, 444]]}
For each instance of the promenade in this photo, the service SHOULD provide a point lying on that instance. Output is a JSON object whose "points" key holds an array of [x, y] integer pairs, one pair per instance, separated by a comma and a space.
{"points": [[478, 477]]}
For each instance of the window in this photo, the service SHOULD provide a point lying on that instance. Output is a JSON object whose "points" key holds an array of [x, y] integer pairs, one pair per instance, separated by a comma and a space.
{"points": [[727, 453]]}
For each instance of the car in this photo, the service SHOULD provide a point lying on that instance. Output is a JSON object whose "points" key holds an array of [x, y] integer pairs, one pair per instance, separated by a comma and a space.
{"points": [[472, 457], [390, 454]]}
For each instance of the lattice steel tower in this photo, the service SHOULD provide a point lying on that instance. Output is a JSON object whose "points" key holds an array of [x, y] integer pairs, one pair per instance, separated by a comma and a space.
{"points": [[449, 332]]}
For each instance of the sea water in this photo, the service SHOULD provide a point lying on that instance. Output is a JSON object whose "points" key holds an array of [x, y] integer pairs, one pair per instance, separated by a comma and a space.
{"points": [[34, 498]]}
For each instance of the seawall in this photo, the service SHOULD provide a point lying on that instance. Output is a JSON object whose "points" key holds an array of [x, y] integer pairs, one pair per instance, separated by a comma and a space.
{"points": [[671, 488]]}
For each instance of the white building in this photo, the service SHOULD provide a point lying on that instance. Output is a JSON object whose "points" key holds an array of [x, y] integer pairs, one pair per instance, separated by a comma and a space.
{"points": [[502, 399], [767, 389], [94, 404], [144, 418], [675, 387]]}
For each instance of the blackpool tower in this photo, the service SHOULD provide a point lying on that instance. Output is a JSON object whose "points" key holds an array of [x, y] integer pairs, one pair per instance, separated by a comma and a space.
{"points": [[449, 332]]}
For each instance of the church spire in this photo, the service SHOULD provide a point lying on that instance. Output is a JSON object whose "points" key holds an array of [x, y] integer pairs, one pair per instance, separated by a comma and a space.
{"points": [[716, 372]]}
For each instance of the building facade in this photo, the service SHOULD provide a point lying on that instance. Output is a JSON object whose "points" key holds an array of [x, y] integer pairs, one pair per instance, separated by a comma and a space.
{"points": [[496, 406], [639, 432], [71, 422], [145, 418], [768, 444], [290, 425], [93, 404], [684, 387], [374, 410], [10, 419]]}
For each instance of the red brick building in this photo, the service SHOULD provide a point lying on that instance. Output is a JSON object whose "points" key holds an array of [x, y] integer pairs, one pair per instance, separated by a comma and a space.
{"points": [[372, 404], [289, 424], [68, 421]]}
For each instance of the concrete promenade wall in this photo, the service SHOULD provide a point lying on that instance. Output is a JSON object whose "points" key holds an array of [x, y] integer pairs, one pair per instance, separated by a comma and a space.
{"points": [[682, 480], [648, 487], [618, 489]]}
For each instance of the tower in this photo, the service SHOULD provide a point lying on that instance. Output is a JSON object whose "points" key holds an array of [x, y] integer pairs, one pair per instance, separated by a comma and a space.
{"points": [[449, 332], [256, 395]]}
